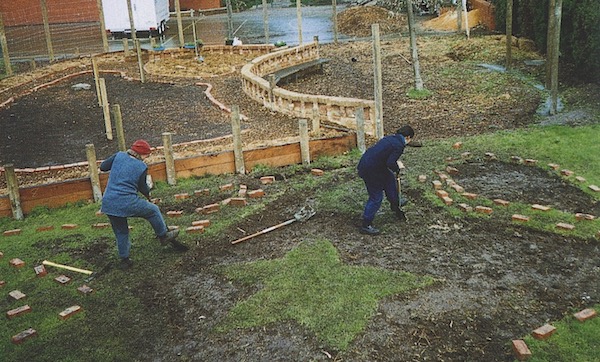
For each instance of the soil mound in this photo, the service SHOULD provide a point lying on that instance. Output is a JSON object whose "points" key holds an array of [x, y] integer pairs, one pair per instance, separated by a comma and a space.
{"points": [[356, 21], [448, 21]]}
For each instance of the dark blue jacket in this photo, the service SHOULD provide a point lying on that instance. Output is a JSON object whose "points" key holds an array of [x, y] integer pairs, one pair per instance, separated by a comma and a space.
{"points": [[382, 156], [127, 177]]}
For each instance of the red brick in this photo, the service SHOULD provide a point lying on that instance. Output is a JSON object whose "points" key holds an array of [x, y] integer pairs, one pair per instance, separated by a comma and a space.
{"points": [[17, 295], [517, 217], [447, 200], [175, 213], [16, 263], [242, 192], [422, 178], [443, 177], [516, 159], [181, 196], [458, 188], [100, 225], [544, 332], [501, 202], [226, 202], [521, 350], [465, 207], [530, 162], [156, 200], [238, 201], [469, 195], [594, 188], [585, 314], [40, 270], [84, 289], [203, 192], [267, 179], [194, 229], [452, 170], [490, 156], [441, 193], [436, 184], [99, 213], [566, 172], [204, 223], [457, 145], [208, 209], [255, 194], [540, 207], [2, 283], [12, 232], [580, 179], [62, 279], [484, 209], [580, 216], [1, 255], [45, 228], [226, 187], [554, 166], [317, 172], [18, 311], [21, 337], [466, 155], [565, 226], [69, 312], [69, 226]]}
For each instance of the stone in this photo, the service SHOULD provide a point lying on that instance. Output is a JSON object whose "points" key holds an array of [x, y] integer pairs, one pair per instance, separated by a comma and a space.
{"points": [[84, 289], [317, 172], [40, 270], [62, 279], [16, 263], [17, 295]]}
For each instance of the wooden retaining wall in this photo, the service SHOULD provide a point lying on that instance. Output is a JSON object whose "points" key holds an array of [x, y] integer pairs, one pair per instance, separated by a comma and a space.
{"points": [[61, 193]]}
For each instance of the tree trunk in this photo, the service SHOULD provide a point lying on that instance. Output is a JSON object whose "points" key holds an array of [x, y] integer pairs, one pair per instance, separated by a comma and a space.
{"points": [[509, 17]]}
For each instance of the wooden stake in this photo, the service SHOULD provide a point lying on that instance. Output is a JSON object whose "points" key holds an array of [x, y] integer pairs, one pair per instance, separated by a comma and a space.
{"points": [[169, 159], [138, 49], [4, 48], [359, 113], [334, 17], [304, 145], [237, 140], [96, 80], [179, 25], [378, 81], [90, 152], [316, 119], [47, 29], [106, 109], [299, 16], [265, 20], [119, 127], [13, 191]]}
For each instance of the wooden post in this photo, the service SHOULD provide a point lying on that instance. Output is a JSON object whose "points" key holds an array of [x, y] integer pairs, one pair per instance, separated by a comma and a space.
{"points": [[119, 127], [131, 22], [464, 8], [237, 140], [459, 16], [4, 48], [229, 19], [106, 109], [125, 47], [13, 191], [90, 152], [509, 20], [413, 50], [195, 38], [96, 80], [47, 30], [557, 15], [299, 16], [316, 119], [169, 159], [304, 145], [378, 81], [359, 113], [335, 24], [102, 26], [265, 20], [140, 60], [179, 25], [272, 86]]}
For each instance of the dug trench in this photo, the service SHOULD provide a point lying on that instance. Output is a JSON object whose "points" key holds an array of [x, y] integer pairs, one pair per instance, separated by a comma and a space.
{"points": [[496, 280]]}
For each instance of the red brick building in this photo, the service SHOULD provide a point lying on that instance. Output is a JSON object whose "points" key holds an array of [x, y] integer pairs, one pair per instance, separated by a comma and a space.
{"points": [[195, 4], [28, 12]]}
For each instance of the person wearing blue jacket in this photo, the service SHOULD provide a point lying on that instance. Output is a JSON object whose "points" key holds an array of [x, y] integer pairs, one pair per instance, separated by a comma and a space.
{"points": [[378, 168], [127, 177]]}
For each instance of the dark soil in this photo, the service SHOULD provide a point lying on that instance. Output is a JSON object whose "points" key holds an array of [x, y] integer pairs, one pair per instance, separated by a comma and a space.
{"points": [[496, 280]]}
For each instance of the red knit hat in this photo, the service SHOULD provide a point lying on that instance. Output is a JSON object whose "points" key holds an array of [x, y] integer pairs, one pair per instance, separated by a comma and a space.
{"points": [[141, 147]]}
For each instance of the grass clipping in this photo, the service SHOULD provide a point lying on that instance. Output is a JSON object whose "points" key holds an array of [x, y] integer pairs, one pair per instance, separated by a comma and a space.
{"points": [[311, 286]]}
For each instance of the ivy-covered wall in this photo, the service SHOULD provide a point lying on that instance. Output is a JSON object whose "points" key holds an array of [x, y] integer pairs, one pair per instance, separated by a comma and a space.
{"points": [[579, 36]]}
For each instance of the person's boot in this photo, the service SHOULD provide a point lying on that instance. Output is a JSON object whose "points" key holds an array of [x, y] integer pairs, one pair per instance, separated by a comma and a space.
{"points": [[125, 263], [368, 229], [400, 215], [171, 237]]}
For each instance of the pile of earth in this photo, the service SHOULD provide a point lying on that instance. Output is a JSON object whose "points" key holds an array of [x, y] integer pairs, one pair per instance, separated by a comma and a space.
{"points": [[356, 21]]}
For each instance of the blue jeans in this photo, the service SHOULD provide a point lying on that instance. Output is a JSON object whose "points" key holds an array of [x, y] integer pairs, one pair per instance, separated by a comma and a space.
{"points": [[377, 184], [121, 228]]}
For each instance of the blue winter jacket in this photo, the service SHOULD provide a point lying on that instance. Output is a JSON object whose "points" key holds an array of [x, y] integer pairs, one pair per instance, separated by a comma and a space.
{"points": [[127, 177], [382, 156]]}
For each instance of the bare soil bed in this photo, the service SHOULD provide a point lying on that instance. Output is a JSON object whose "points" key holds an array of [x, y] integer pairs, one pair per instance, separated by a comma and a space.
{"points": [[496, 280]]}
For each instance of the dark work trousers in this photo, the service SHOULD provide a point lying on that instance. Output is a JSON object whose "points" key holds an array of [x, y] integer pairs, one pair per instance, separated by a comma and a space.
{"points": [[377, 183]]}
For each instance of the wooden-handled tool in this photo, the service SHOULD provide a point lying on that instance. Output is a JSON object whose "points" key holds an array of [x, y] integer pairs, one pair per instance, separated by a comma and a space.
{"points": [[67, 267]]}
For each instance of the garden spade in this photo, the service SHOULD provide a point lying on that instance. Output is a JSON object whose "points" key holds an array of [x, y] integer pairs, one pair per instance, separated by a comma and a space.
{"points": [[400, 213], [302, 215]]}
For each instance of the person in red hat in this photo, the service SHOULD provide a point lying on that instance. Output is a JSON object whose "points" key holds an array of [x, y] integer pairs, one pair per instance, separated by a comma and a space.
{"points": [[127, 178]]}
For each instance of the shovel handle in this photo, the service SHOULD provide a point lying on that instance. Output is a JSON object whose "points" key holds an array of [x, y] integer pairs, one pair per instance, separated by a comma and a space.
{"points": [[264, 231]]}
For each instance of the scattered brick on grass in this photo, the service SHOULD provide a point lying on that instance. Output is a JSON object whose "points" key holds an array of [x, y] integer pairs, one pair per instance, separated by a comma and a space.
{"points": [[40, 270], [466, 155], [181, 196], [62, 279], [99, 213], [565, 226], [17, 295], [18, 311], [469, 195], [21, 337], [12, 232], [100, 225], [1, 255], [521, 350], [585, 314], [317, 172], [422, 178], [522, 218], [256, 194], [2, 283], [594, 188], [516, 159], [580, 179], [501, 202], [267, 180], [208, 209], [464, 207], [238, 201], [175, 213], [447, 200], [457, 145], [243, 191], [441, 193], [195, 230], [490, 156], [84, 289], [566, 172], [540, 207], [16, 263], [204, 223], [203, 192], [544, 332], [437, 185], [457, 188], [484, 209], [68, 226], [582, 216], [45, 228], [530, 162], [451, 170], [69, 312], [554, 166], [226, 187], [156, 200]]}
